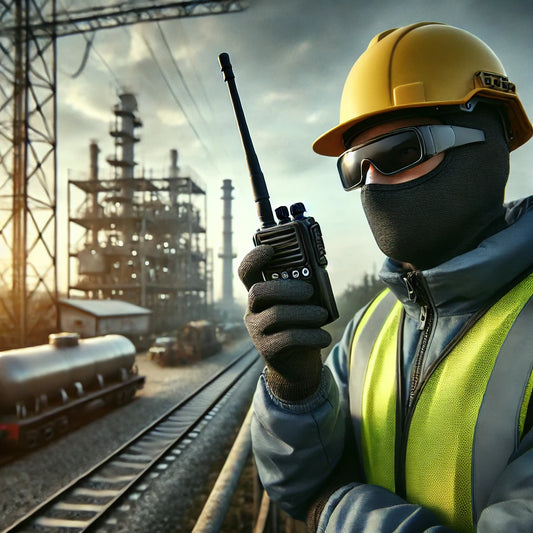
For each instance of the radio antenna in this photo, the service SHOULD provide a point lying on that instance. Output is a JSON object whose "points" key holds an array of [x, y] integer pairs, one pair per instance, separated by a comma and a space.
{"points": [[259, 188]]}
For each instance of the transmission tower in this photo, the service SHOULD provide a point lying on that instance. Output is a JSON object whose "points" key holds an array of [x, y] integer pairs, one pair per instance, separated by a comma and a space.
{"points": [[28, 82]]}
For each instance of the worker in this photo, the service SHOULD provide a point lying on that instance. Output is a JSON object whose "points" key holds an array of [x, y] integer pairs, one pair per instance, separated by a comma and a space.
{"points": [[420, 418]]}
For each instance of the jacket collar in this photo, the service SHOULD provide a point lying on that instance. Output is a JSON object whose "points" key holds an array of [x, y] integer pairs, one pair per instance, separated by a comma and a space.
{"points": [[465, 283]]}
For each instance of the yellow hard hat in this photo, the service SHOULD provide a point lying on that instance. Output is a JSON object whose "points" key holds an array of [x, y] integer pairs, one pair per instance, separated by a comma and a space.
{"points": [[428, 64]]}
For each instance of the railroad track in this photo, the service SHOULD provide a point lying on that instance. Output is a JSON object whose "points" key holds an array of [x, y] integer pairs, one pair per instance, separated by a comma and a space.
{"points": [[88, 503]]}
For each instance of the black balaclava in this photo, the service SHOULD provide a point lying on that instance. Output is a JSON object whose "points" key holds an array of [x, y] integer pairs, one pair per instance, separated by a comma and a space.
{"points": [[452, 208]]}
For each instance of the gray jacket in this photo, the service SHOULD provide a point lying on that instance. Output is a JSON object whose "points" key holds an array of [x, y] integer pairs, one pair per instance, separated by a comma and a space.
{"points": [[296, 446]]}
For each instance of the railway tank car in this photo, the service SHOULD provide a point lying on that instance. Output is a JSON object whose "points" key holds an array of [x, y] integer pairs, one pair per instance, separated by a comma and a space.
{"points": [[45, 389]]}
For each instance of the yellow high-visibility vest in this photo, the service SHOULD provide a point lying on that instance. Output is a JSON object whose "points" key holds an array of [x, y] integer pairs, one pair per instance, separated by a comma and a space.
{"points": [[468, 418]]}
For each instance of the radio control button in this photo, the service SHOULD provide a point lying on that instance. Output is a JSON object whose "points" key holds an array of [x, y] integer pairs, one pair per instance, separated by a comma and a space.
{"points": [[305, 272], [295, 274], [285, 275], [275, 275]]}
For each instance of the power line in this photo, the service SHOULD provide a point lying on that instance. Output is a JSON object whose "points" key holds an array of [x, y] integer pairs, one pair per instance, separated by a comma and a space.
{"points": [[107, 66], [178, 70], [212, 125], [88, 47], [85, 57], [176, 99], [186, 85], [185, 40]]}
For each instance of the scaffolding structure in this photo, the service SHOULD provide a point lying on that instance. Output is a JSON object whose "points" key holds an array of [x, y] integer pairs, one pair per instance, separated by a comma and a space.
{"points": [[142, 240]]}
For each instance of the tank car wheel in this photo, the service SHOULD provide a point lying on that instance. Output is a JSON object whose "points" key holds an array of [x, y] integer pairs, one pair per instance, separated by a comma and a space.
{"points": [[129, 393], [48, 432], [120, 397], [30, 439], [61, 425]]}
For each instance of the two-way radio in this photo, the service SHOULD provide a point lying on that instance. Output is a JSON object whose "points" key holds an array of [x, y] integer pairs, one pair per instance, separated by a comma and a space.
{"points": [[299, 251]]}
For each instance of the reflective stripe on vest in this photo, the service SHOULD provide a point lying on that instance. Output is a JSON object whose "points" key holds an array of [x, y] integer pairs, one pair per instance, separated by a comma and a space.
{"points": [[365, 335], [468, 417]]}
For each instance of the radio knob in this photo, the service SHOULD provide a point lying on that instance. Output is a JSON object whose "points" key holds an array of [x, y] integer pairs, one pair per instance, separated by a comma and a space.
{"points": [[298, 210], [283, 214]]}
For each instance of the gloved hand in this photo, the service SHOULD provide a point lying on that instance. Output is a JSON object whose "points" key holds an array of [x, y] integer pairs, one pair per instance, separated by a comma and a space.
{"points": [[284, 328]]}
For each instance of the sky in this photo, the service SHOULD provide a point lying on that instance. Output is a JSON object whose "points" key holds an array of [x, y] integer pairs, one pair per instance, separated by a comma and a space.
{"points": [[290, 59]]}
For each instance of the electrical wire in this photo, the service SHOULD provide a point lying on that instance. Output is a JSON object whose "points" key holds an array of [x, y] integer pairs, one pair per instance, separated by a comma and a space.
{"points": [[176, 99], [211, 123], [209, 126], [118, 85], [85, 57], [189, 54], [178, 70], [90, 46], [221, 150]]}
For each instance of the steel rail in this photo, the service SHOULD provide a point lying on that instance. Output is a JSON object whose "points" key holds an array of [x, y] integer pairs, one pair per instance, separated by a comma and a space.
{"points": [[91, 498]]}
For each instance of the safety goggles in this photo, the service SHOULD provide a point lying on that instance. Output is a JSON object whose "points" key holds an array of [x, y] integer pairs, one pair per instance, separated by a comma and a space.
{"points": [[401, 149]]}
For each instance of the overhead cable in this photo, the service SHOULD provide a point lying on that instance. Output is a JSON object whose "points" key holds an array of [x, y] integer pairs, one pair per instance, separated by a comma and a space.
{"points": [[178, 70], [90, 46], [176, 99]]}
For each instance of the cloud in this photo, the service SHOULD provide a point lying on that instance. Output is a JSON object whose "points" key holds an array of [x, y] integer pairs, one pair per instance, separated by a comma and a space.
{"points": [[171, 117], [86, 103]]}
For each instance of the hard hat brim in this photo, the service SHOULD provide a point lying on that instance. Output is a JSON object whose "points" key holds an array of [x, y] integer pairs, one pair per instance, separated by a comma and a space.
{"points": [[331, 143]]}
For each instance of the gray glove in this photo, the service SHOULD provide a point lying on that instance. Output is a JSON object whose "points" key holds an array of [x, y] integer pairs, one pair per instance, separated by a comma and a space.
{"points": [[284, 328]]}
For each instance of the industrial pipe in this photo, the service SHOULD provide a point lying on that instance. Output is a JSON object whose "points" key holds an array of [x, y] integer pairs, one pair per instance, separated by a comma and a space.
{"points": [[217, 505]]}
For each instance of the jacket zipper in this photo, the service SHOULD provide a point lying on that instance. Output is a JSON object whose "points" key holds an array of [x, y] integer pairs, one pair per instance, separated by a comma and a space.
{"points": [[416, 293], [426, 325], [404, 417]]}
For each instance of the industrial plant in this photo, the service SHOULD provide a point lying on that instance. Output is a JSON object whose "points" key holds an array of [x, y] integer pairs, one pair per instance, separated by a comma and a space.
{"points": [[140, 239]]}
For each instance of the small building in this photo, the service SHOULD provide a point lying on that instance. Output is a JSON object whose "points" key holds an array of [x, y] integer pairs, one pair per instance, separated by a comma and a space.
{"points": [[92, 318]]}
